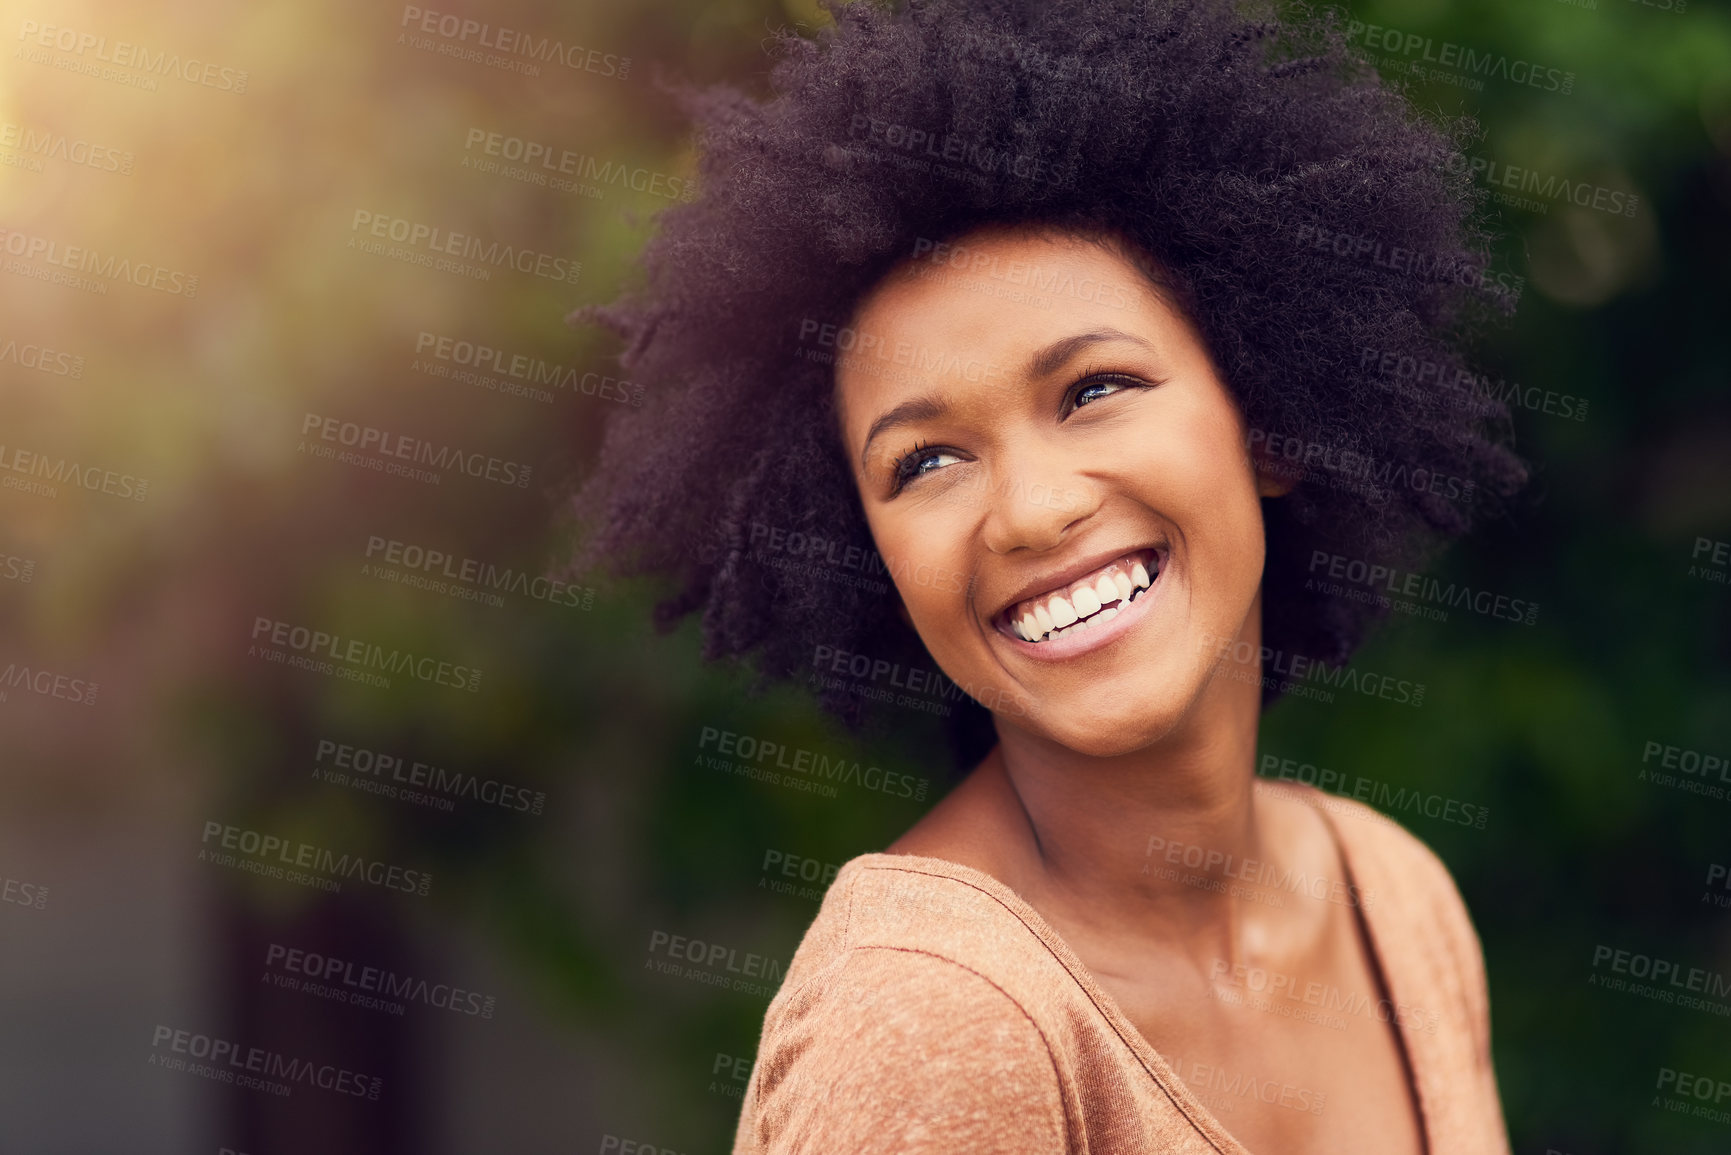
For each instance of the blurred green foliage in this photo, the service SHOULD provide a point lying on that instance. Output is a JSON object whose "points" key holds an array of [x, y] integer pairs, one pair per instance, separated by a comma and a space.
{"points": [[1545, 724]]}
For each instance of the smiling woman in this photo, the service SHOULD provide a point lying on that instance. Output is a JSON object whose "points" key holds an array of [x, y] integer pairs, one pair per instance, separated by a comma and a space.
{"points": [[1031, 298], [1129, 424]]}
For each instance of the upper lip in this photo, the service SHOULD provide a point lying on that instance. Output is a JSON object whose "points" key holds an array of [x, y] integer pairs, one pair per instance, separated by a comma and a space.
{"points": [[1054, 579]]}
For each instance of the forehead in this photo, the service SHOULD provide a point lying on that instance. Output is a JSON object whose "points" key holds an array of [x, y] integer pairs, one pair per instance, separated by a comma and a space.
{"points": [[973, 311], [1023, 275]]}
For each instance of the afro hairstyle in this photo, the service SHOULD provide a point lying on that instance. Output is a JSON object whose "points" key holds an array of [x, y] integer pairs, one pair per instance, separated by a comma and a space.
{"points": [[1324, 238]]}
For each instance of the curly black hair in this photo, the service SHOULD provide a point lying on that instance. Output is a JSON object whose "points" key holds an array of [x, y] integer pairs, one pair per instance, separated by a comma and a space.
{"points": [[1324, 238]]}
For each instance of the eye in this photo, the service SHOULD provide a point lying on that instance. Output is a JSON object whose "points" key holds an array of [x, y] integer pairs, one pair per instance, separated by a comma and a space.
{"points": [[917, 462], [1094, 386]]}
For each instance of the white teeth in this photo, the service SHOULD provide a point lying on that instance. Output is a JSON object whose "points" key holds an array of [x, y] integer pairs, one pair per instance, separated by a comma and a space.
{"points": [[1087, 602], [1061, 614]]}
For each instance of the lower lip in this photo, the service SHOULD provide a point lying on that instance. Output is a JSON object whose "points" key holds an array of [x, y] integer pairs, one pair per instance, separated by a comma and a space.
{"points": [[1088, 640]]}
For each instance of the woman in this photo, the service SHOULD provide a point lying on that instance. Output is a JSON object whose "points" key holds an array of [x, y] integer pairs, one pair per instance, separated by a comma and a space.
{"points": [[1083, 319]]}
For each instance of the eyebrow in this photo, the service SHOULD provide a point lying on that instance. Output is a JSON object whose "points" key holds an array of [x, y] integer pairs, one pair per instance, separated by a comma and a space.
{"points": [[919, 409], [1054, 356], [1043, 363]]}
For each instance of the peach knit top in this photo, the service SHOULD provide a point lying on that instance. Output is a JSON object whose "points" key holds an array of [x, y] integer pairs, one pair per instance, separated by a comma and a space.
{"points": [[929, 1010]]}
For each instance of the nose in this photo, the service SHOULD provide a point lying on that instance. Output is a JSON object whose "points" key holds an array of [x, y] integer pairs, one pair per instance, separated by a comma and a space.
{"points": [[1034, 502]]}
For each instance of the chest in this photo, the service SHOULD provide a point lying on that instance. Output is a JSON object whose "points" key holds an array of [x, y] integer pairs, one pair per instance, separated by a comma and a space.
{"points": [[1295, 1064]]}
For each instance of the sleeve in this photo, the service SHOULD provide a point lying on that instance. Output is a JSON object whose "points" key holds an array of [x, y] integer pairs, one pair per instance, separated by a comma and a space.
{"points": [[899, 1052], [1466, 955], [1462, 973]]}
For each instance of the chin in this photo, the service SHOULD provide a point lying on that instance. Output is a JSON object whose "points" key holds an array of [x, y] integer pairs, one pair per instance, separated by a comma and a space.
{"points": [[1100, 735]]}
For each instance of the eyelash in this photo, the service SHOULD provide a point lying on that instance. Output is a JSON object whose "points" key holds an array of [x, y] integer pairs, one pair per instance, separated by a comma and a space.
{"points": [[902, 474]]}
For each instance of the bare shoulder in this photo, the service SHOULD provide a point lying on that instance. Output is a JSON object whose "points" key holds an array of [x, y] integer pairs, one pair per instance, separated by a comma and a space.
{"points": [[1394, 868], [1367, 833]]}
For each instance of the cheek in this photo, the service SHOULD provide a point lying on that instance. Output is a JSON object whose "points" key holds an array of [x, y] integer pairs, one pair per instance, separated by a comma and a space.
{"points": [[925, 563], [911, 560], [1191, 465], [1197, 473], [933, 586]]}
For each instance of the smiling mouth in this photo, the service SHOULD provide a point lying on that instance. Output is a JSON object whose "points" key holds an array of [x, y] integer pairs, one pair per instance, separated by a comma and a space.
{"points": [[1086, 602]]}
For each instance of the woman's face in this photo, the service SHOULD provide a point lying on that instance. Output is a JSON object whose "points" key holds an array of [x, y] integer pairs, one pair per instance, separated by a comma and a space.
{"points": [[1040, 440]]}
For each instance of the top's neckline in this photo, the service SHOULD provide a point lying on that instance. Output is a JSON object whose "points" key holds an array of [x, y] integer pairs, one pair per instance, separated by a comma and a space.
{"points": [[1375, 929]]}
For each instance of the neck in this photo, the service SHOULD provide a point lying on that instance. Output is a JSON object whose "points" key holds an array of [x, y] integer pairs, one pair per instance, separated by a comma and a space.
{"points": [[1150, 837]]}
